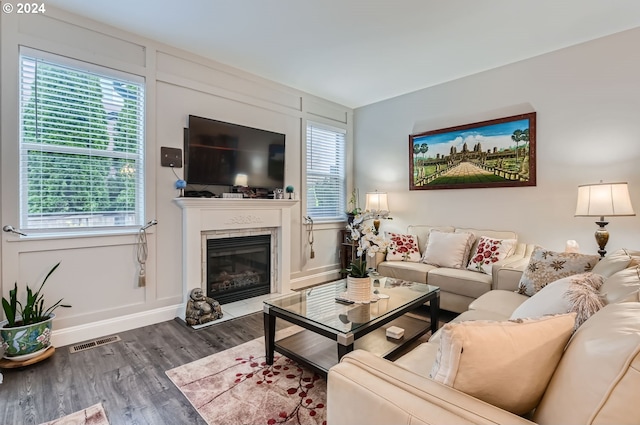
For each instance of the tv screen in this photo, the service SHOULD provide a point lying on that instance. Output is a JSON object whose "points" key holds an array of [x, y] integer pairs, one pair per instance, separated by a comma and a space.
{"points": [[220, 153]]}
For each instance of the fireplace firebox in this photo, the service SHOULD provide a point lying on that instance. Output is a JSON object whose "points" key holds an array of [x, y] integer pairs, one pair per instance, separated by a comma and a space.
{"points": [[238, 267]]}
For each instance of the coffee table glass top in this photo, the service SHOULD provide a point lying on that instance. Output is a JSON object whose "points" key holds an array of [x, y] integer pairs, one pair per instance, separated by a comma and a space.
{"points": [[318, 304]]}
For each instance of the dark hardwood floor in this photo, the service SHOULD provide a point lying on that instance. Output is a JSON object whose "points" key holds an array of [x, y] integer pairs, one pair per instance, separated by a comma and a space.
{"points": [[128, 376]]}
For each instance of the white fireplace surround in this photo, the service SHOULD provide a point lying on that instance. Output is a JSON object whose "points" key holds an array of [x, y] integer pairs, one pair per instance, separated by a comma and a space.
{"points": [[204, 218]]}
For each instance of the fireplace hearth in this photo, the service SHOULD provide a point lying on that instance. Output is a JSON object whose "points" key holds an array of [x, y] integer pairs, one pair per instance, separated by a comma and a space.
{"points": [[238, 268]]}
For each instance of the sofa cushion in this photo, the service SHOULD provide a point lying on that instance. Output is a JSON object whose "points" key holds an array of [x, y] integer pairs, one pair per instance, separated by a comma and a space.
{"points": [[402, 247], [548, 266], [422, 233], [448, 249], [578, 293], [598, 378], [622, 284], [489, 251], [496, 234], [420, 360], [414, 272], [498, 301], [507, 364], [461, 282], [614, 262]]}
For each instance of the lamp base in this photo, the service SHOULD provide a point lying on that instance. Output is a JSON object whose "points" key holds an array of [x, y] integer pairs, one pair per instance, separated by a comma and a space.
{"points": [[602, 236]]}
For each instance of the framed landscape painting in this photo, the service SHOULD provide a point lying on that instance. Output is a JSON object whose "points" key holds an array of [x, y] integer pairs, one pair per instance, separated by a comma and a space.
{"points": [[494, 153]]}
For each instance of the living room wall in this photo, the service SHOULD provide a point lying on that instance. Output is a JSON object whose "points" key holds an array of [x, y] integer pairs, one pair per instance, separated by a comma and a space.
{"points": [[98, 274], [587, 100]]}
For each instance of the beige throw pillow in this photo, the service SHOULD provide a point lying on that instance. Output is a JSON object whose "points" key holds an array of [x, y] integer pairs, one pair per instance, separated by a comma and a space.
{"points": [[622, 284], [548, 266], [507, 364], [614, 262], [448, 249]]}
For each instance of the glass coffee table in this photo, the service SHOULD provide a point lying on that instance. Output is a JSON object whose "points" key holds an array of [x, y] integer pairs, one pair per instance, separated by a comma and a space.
{"points": [[331, 329]]}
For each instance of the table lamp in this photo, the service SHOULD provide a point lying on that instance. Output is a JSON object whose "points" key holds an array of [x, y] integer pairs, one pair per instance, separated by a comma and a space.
{"points": [[600, 200], [377, 203]]}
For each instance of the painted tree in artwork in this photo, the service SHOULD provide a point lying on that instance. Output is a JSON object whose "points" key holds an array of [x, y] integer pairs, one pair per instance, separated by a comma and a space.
{"points": [[520, 136], [424, 148]]}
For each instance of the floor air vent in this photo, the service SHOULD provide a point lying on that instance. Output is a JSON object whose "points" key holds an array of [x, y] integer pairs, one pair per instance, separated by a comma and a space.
{"points": [[92, 344]]}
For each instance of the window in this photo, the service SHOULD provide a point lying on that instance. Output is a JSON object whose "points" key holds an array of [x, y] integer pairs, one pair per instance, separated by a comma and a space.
{"points": [[326, 187], [81, 145]]}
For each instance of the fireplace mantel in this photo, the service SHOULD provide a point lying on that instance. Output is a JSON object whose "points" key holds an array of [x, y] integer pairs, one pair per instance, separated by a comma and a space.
{"points": [[202, 215]]}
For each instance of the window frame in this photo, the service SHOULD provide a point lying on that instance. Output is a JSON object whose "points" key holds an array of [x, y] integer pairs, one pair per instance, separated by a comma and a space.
{"points": [[139, 156], [342, 197]]}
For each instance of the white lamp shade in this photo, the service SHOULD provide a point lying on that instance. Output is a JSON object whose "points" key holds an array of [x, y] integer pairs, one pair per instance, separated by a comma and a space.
{"points": [[604, 199], [376, 201], [241, 180]]}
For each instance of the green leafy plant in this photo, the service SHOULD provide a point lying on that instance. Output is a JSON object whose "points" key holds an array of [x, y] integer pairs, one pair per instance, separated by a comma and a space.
{"points": [[353, 207], [33, 311], [367, 241], [357, 268]]}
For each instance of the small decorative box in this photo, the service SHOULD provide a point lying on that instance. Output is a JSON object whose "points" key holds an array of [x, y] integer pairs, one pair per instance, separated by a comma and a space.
{"points": [[395, 332]]}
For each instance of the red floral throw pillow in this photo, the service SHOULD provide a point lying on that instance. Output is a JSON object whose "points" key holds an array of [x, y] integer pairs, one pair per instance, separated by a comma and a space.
{"points": [[403, 247], [490, 251]]}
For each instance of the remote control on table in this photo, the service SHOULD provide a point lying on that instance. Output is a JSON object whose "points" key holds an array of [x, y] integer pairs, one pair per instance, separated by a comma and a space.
{"points": [[343, 301]]}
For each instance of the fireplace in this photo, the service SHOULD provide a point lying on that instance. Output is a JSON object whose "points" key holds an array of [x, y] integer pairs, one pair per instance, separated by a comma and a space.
{"points": [[218, 218], [238, 267]]}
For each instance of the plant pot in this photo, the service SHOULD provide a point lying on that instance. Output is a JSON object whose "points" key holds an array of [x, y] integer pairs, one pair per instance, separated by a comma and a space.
{"points": [[359, 289], [27, 339]]}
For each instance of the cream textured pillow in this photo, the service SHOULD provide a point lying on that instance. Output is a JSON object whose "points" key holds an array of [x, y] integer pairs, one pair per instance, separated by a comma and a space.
{"points": [[448, 249], [489, 251], [402, 247], [507, 364], [548, 266], [578, 293], [622, 284], [614, 262]]}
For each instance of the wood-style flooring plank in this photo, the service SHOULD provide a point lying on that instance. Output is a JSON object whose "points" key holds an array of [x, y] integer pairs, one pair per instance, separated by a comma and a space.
{"points": [[128, 376]]}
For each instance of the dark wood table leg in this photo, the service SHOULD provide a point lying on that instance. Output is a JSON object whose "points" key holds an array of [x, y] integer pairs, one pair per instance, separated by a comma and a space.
{"points": [[344, 349], [434, 311], [269, 336]]}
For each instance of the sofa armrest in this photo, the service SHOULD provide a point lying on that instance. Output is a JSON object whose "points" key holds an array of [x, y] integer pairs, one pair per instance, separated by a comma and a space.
{"points": [[507, 272], [366, 389]]}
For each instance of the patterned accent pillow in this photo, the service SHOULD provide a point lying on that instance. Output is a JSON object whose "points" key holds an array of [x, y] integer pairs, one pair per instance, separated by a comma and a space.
{"points": [[548, 266], [403, 248], [489, 251]]}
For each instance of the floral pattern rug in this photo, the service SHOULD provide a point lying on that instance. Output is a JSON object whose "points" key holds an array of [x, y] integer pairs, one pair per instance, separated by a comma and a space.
{"points": [[93, 415], [236, 386]]}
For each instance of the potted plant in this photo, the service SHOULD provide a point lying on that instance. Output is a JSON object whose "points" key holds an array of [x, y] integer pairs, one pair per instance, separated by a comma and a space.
{"points": [[27, 330], [352, 206], [368, 243]]}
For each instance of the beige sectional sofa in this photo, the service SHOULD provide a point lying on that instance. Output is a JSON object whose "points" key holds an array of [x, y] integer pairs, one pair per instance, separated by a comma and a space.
{"points": [[596, 380], [460, 286]]}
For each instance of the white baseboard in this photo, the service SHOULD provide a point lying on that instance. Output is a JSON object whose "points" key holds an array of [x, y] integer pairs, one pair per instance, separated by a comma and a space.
{"points": [[102, 328], [314, 279]]}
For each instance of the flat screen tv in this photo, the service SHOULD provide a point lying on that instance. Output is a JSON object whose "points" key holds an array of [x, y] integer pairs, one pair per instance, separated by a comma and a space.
{"points": [[220, 153]]}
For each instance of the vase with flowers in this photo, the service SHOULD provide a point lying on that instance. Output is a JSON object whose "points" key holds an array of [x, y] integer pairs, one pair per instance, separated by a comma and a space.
{"points": [[368, 243]]}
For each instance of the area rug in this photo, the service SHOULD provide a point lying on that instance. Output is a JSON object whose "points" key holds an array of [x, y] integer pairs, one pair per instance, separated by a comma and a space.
{"points": [[236, 386], [93, 415]]}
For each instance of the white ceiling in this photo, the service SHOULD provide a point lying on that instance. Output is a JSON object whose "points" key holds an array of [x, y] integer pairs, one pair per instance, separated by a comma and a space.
{"points": [[357, 52]]}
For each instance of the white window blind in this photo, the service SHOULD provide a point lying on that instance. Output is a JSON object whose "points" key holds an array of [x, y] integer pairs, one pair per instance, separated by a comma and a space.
{"points": [[326, 186], [81, 145]]}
